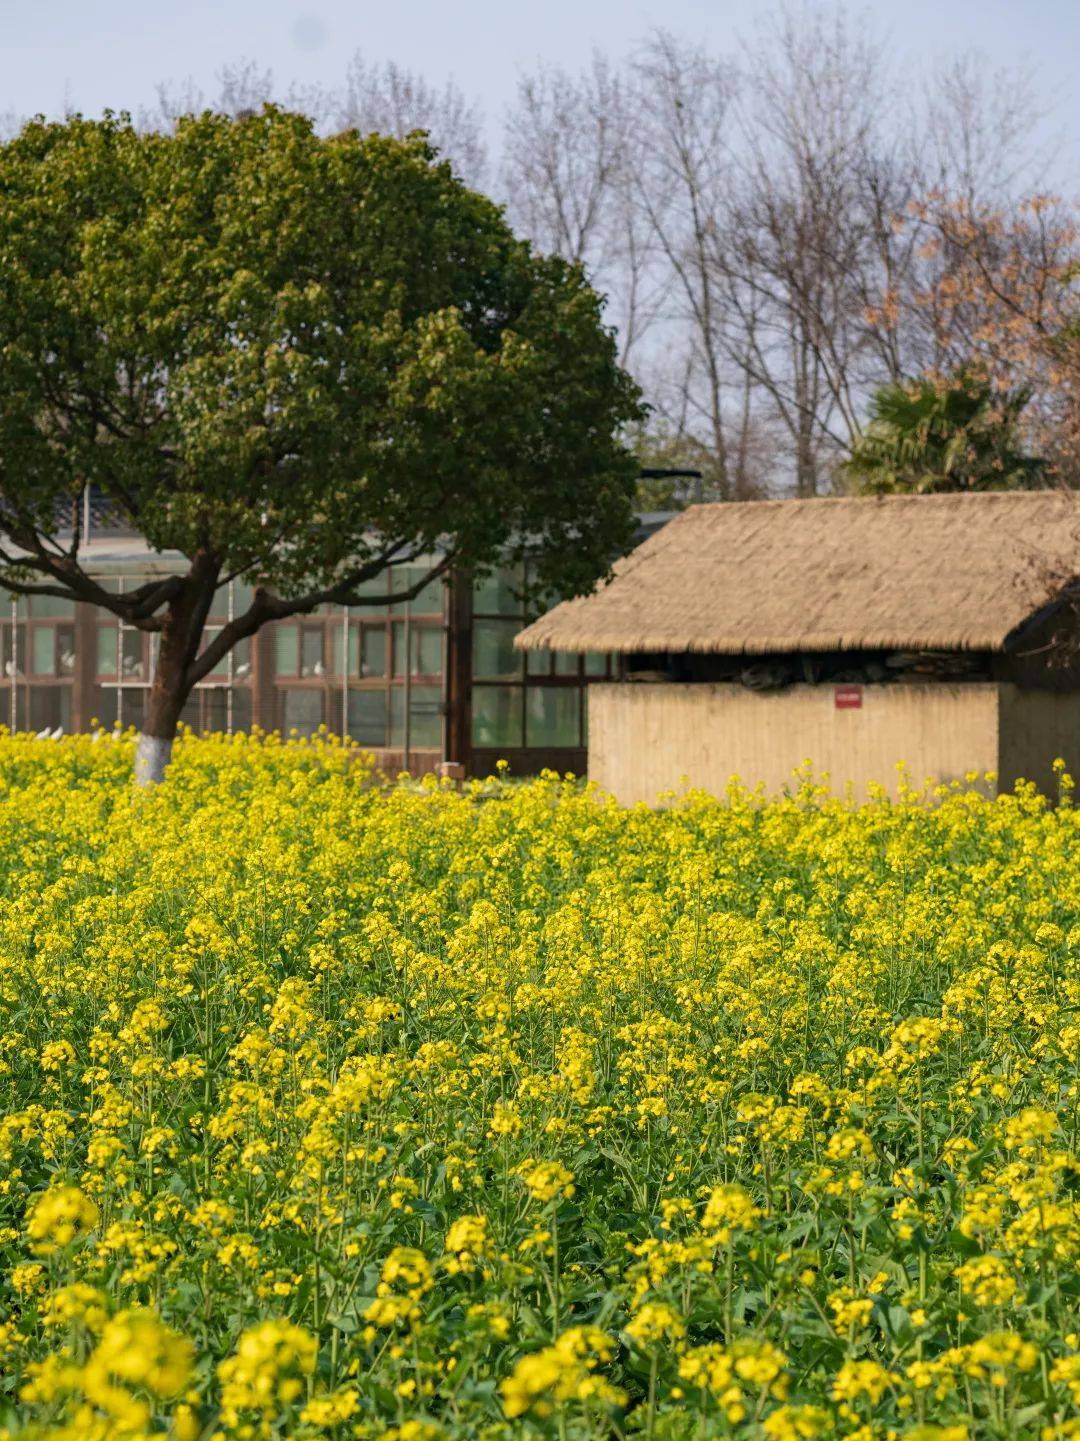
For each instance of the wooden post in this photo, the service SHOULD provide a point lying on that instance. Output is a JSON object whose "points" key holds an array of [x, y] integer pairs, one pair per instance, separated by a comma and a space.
{"points": [[85, 673], [263, 694], [406, 737], [459, 671]]}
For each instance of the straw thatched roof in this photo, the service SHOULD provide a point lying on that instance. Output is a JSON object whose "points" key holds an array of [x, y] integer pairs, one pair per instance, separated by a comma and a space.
{"points": [[942, 572]]}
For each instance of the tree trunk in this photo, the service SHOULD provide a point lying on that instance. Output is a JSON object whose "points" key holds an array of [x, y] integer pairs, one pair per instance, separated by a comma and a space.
{"points": [[164, 702], [181, 634], [152, 756]]}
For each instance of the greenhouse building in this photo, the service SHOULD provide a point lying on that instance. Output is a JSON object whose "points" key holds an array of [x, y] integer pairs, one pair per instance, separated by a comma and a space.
{"points": [[423, 681]]}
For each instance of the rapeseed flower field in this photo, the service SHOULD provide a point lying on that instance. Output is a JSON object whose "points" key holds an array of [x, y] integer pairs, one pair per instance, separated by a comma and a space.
{"points": [[338, 1110]]}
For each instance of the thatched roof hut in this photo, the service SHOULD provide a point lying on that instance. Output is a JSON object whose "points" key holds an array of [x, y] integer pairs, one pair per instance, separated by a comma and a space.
{"points": [[939, 631], [942, 572]]}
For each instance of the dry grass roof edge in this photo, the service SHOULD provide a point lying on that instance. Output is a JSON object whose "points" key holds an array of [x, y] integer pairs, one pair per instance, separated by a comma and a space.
{"points": [[945, 572]]}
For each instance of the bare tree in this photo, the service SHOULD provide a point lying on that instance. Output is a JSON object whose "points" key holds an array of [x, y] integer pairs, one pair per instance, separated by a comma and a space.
{"points": [[393, 100], [979, 131], [799, 226], [680, 185], [241, 87], [570, 147], [384, 98], [973, 147], [564, 156], [831, 161]]}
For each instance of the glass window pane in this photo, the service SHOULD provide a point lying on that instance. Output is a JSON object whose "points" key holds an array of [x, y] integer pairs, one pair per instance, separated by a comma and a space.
{"points": [[494, 594], [367, 717], [106, 650], [377, 585], [425, 705], [543, 600], [398, 629], [243, 595], [241, 661], [337, 647], [131, 704], [496, 715], [425, 642], [427, 716], [302, 710], [537, 662], [286, 648], [48, 607], [43, 650], [401, 577], [241, 709], [596, 662], [566, 662], [215, 709], [429, 600], [311, 651], [427, 650], [222, 667], [373, 650], [65, 649], [190, 712], [50, 707], [133, 656], [494, 656], [552, 716], [104, 707]]}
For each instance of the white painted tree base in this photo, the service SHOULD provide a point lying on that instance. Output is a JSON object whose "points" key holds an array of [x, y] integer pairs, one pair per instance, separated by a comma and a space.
{"points": [[152, 756]]}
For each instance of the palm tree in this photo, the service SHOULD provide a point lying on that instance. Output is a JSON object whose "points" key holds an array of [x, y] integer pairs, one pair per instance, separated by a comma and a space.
{"points": [[927, 436]]}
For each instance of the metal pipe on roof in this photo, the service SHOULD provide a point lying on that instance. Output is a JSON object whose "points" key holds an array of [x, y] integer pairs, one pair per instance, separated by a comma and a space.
{"points": [[660, 472]]}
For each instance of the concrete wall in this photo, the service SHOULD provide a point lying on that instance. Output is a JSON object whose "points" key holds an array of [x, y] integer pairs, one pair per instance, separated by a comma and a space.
{"points": [[646, 739]]}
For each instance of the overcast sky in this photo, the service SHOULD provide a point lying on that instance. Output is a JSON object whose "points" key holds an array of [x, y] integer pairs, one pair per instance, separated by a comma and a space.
{"points": [[88, 54]]}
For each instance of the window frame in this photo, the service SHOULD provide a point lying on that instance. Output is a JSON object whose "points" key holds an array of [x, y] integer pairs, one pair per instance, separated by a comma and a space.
{"points": [[536, 670], [344, 630], [26, 686], [123, 684]]}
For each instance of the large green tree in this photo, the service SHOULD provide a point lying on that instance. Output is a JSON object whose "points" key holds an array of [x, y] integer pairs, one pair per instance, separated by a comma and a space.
{"points": [[291, 359], [931, 435]]}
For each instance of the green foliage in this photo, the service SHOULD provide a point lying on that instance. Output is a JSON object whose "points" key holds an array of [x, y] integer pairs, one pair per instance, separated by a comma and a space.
{"points": [[926, 437], [296, 357]]}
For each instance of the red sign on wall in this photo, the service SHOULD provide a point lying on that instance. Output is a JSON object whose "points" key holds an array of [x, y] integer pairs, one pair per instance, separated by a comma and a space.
{"points": [[848, 697]]}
